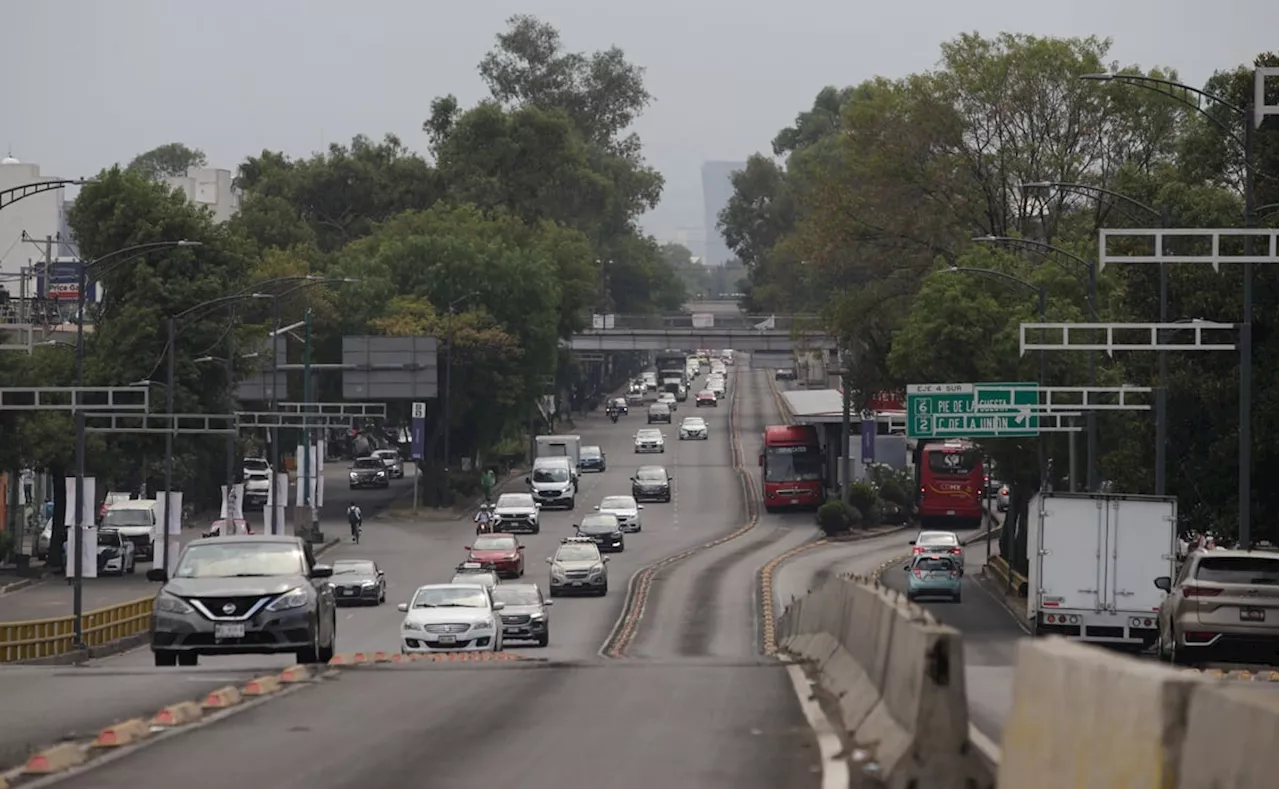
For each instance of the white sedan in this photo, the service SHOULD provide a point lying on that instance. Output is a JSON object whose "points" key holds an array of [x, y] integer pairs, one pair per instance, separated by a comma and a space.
{"points": [[650, 440], [625, 509], [693, 427], [939, 542], [391, 459], [451, 618]]}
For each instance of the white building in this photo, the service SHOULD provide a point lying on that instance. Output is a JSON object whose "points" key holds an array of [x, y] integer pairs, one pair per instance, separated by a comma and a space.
{"points": [[39, 216], [210, 188]]}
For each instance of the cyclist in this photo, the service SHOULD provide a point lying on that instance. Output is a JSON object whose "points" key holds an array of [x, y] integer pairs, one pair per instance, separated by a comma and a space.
{"points": [[356, 518]]}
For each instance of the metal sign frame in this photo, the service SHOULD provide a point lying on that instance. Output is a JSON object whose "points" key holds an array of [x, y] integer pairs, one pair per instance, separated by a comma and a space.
{"points": [[1153, 341], [1081, 398], [184, 424], [73, 398], [279, 419], [1216, 257], [354, 410], [26, 332], [1261, 109], [1047, 422]]}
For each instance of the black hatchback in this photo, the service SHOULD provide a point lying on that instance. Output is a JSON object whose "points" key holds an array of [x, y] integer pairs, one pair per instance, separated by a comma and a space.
{"points": [[651, 483]]}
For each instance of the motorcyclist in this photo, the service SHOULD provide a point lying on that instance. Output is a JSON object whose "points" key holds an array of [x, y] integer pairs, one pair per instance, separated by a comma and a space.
{"points": [[484, 519], [356, 518]]}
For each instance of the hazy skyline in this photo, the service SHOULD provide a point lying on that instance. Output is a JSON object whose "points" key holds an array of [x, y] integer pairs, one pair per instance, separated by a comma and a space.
{"points": [[98, 82]]}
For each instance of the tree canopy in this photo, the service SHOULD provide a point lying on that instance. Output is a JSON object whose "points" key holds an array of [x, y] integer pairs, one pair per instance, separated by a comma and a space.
{"points": [[877, 188]]}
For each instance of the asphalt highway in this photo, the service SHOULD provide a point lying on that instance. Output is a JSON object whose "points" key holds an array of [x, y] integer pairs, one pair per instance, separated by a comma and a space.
{"points": [[52, 597], [990, 633], [692, 704]]}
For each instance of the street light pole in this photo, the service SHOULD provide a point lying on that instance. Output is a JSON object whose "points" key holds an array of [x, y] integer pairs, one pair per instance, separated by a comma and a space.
{"points": [[168, 439], [448, 392], [118, 257]]}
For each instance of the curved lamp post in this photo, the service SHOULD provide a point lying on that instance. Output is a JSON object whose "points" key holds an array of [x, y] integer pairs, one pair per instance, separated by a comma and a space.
{"points": [[1182, 93]]}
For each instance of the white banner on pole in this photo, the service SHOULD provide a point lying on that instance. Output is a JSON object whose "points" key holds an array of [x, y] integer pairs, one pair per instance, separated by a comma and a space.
{"points": [[87, 538], [231, 518], [175, 550], [319, 497]]}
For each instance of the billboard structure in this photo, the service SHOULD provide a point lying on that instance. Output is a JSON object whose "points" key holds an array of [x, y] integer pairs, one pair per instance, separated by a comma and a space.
{"points": [[390, 368]]}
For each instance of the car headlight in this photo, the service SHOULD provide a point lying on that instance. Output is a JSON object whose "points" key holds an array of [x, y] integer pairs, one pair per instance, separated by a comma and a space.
{"points": [[407, 625], [369, 584], [483, 625], [294, 598], [172, 605], [556, 571], [354, 475], [537, 617], [382, 473], [597, 569]]}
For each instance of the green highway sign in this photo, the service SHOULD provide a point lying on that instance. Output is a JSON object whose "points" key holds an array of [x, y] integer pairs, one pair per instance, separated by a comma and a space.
{"points": [[984, 410]]}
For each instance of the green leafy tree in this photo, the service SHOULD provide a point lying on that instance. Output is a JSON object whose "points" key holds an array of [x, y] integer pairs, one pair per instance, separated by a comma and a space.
{"points": [[166, 161]]}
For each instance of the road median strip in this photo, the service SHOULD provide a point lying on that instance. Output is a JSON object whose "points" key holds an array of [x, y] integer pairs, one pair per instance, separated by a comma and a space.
{"points": [[59, 758], [123, 733], [222, 698]]}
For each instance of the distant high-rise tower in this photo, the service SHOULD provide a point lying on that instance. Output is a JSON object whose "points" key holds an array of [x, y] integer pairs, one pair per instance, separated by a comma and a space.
{"points": [[717, 188]]}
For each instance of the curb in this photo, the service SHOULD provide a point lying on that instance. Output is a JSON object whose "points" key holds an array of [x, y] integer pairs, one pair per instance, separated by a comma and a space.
{"points": [[22, 583], [122, 735], [350, 660]]}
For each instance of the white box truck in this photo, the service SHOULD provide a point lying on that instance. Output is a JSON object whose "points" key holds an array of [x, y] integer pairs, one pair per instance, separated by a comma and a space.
{"points": [[562, 446], [1093, 563]]}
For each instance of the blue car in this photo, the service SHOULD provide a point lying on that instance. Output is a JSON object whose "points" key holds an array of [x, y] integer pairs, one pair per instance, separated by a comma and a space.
{"points": [[931, 575]]}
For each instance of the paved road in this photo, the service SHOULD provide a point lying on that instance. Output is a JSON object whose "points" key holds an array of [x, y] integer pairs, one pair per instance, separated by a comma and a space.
{"points": [[693, 706], [990, 634], [53, 597]]}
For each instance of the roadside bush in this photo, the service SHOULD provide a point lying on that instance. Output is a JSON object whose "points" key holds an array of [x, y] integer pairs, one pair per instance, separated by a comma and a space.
{"points": [[8, 545], [835, 518], [862, 496], [893, 491]]}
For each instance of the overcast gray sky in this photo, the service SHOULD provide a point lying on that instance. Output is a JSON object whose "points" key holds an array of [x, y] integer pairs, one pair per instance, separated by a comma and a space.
{"points": [[92, 82]]}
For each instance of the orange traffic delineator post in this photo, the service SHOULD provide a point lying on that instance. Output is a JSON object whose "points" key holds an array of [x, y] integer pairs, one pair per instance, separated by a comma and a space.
{"points": [[178, 714], [123, 733], [396, 658], [55, 760], [262, 686], [222, 698], [359, 657], [297, 673], [339, 660], [381, 657]]}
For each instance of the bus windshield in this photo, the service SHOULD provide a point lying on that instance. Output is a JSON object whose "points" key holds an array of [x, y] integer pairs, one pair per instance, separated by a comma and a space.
{"points": [[792, 464]]}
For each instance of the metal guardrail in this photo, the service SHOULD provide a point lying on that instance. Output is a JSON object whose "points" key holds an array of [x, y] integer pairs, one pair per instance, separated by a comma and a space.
{"points": [[37, 639]]}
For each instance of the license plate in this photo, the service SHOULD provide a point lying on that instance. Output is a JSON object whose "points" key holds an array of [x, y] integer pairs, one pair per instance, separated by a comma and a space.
{"points": [[1253, 615], [577, 583], [348, 592], [448, 639], [951, 512], [228, 631], [795, 501]]}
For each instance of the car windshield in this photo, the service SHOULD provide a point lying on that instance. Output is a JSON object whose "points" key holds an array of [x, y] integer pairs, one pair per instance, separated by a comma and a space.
{"points": [[445, 597], [695, 423], [118, 518], [652, 474], [109, 538], [934, 563], [618, 503], [512, 596], [368, 463], [591, 452], [792, 464], [951, 461], [648, 435], [706, 393], [387, 454], [598, 524], [515, 500], [494, 542], [550, 475], [255, 463], [354, 567], [1247, 570], [255, 475], [577, 553], [231, 559]]}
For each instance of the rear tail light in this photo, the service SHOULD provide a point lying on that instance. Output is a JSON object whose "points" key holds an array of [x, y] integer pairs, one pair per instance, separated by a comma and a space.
{"points": [[955, 573], [918, 573], [917, 550], [956, 551], [1004, 491], [1200, 591]]}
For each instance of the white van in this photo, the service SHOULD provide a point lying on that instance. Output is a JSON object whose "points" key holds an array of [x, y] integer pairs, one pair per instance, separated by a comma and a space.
{"points": [[136, 522], [552, 482]]}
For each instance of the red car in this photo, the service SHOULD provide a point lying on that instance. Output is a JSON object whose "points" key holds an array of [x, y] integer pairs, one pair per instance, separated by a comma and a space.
{"points": [[500, 550], [705, 397]]}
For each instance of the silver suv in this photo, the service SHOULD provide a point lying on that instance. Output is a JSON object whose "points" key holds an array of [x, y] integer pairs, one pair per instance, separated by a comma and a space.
{"points": [[578, 568]]}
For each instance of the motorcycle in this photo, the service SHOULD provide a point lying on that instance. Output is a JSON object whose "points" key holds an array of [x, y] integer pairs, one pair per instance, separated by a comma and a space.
{"points": [[613, 416]]}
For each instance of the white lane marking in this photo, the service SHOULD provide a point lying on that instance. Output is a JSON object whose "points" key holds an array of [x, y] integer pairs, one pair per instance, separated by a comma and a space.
{"points": [[835, 770], [985, 745]]}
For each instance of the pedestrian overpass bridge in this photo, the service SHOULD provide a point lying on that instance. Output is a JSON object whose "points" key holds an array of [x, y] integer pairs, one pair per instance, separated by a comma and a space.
{"points": [[712, 329]]}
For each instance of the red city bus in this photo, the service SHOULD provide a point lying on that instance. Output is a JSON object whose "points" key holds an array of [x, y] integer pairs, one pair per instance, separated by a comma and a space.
{"points": [[793, 468], [951, 484]]}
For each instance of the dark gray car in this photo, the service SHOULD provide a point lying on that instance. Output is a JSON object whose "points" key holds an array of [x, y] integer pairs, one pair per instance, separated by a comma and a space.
{"points": [[369, 472], [359, 582], [248, 594], [525, 616]]}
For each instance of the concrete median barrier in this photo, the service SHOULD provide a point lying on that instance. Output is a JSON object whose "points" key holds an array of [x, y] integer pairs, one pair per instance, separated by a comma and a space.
{"points": [[222, 698], [295, 674], [262, 686], [179, 714], [124, 733], [57, 759], [898, 678], [1084, 717]]}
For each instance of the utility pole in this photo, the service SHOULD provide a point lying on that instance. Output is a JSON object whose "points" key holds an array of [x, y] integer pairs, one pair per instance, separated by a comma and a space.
{"points": [[273, 435], [846, 416], [231, 393], [1246, 341], [305, 480]]}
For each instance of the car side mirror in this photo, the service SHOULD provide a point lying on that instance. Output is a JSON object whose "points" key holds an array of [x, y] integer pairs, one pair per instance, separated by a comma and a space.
{"points": [[907, 567], [537, 505], [548, 560], [596, 508], [157, 574], [402, 607], [639, 506], [633, 479], [466, 547], [381, 573], [548, 603], [604, 559], [911, 542], [499, 606], [1163, 582], [528, 480], [519, 547], [321, 571], [671, 479]]}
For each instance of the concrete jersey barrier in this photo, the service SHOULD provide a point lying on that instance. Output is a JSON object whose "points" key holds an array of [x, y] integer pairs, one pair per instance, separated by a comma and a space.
{"points": [[899, 679]]}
